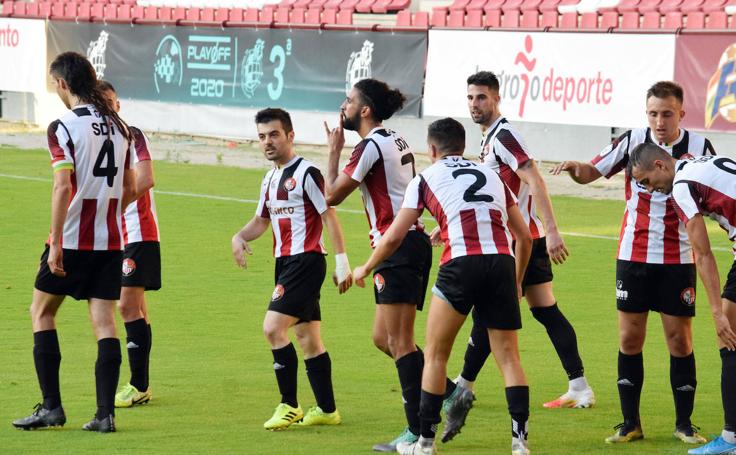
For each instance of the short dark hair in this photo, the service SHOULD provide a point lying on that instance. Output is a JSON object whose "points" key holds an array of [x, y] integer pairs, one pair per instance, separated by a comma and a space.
{"points": [[664, 89], [383, 101], [486, 78], [448, 135], [274, 113], [106, 86], [643, 156]]}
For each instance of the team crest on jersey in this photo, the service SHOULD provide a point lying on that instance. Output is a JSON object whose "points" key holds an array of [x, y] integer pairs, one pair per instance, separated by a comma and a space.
{"points": [[278, 293], [379, 282], [290, 184], [688, 296], [96, 53], [128, 267]]}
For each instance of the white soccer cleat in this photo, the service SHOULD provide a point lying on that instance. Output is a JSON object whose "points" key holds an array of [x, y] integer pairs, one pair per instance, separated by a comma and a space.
{"points": [[415, 448], [519, 446], [573, 399]]}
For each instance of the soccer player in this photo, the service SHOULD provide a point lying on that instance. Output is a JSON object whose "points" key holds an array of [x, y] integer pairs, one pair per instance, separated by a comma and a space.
{"points": [[504, 151], [702, 186], [292, 201], [475, 211], [381, 165], [141, 267], [90, 147], [654, 267]]}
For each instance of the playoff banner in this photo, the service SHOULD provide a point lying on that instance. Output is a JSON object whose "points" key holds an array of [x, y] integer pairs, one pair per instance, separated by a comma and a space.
{"points": [[245, 67], [23, 55], [567, 78], [705, 69]]}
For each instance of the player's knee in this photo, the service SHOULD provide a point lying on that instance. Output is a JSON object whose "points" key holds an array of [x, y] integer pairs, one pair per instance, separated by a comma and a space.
{"points": [[631, 344], [380, 341], [680, 344], [274, 335]]}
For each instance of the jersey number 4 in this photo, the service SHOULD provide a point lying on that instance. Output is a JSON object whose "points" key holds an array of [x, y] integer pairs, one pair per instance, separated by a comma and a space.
{"points": [[471, 194], [107, 153]]}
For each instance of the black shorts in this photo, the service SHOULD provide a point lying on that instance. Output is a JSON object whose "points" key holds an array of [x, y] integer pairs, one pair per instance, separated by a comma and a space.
{"points": [[89, 275], [484, 282], [665, 288], [729, 289], [539, 269], [403, 277], [142, 265], [298, 280]]}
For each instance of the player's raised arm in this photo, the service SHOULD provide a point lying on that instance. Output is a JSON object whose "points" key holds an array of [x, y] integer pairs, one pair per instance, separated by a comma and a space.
{"points": [[342, 277], [579, 171], [251, 231], [389, 243]]}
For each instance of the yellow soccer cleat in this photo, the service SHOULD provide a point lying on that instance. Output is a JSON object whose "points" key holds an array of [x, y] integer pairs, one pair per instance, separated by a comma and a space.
{"points": [[689, 435], [316, 416], [130, 396], [283, 416], [625, 434]]}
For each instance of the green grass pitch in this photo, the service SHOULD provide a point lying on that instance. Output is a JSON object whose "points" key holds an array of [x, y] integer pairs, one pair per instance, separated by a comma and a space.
{"points": [[211, 371]]}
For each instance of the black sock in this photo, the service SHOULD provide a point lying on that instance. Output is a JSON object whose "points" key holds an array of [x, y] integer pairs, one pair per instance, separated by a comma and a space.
{"points": [[107, 373], [630, 381], [563, 338], [285, 366], [319, 372], [148, 358], [47, 358], [429, 413], [728, 388], [478, 350], [517, 398], [138, 349], [410, 376], [682, 379]]}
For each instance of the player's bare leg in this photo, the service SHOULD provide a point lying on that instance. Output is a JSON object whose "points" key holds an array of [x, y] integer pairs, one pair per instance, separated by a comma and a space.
{"points": [[107, 367], [134, 312], [285, 364], [319, 371], [506, 353], [380, 333], [544, 308], [632, 334]]}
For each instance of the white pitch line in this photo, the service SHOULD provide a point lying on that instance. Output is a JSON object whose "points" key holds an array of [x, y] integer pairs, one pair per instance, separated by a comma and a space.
{"points": [[253, 201]]}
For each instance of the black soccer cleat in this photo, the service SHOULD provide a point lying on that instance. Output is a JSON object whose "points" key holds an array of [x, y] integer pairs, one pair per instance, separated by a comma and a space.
{"points": [[41, 418], [106, 425], [456, 407]]}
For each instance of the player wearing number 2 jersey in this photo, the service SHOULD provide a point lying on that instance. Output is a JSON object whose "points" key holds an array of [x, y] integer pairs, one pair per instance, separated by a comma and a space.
{"points": [[474, 210], [90, 154]]}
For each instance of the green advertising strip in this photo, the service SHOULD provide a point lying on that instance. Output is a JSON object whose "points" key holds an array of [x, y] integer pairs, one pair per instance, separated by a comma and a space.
{"points": [[245, 67]]}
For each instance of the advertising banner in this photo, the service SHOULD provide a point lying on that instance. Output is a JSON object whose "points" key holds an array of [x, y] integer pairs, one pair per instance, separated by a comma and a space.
{"points": [[704, 66], [567, 78], [23, 55], [245, 67]]}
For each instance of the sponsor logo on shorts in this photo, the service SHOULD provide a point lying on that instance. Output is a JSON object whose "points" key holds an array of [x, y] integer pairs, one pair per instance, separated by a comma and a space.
{"points": [[278, 292], [621, 294], [379, 282], [290, 184], [688, 296], [128, 267]]}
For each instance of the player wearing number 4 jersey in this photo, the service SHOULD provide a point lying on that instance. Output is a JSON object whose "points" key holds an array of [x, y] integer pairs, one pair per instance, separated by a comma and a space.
{"points": [[381, 165], [700, 187], [475, 211], [654, 270], [292, 202], [90, 153]]}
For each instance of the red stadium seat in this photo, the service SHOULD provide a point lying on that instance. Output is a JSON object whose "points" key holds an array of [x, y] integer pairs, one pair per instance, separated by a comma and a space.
{"points": [[57, 10], [609, 19], [459, 5], [317, 4], [345, 17], [569, 20], [651, 20], [474, 18], [439, 17], [192, 14], [456, 18], [380, 6], [44, 9], [717, 20], [529, 5], [332, 4], [713, 5], [668, 6], [282, 14], [550, 19], [364, 6], [297, 15], [648, 5], [207, 15], [179, 14], [475, 4], [695, 20], [510, 18], [223, 14], [110, 11], [248, 15], [287, 3], [691, 5], [124, 12], [512, 5], [549, 5], [97, 11], [630, 20], [83, 11], [313, 16], [266, 15], [492, 18], [493, 5], [347, 5], [589, 20], [31, 9], [11, 8], [398, 5], [625, 6], [165, 13], [329, 16], [301, 4], [420, 19], [403, 18], [672, 20], [136, 11], [150, 13], [529, 18]]}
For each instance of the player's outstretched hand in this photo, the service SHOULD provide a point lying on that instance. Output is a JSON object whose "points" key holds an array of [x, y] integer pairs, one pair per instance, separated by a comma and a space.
{"points": [[556, 248], [240, 247], [344, 285], [342, 277], [359, 275], [573, 167], [56, 261], [335, 136], [724, 331], [435, 238]]}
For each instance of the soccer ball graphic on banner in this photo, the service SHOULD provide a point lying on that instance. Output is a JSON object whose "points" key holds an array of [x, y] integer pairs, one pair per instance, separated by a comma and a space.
{"points": [[167, 69], [359, 66], [720, 98]]}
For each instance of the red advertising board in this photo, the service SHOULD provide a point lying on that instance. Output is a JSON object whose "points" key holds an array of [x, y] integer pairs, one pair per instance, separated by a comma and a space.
{"points": [[705, 66]]}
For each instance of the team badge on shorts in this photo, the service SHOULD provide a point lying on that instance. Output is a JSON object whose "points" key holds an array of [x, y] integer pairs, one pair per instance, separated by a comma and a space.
{"points": [[379, 282], [290, 184], [688, 296], [128, 267], [278, 292]]}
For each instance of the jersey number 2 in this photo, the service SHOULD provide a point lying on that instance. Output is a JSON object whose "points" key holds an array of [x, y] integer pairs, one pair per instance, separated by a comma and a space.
{"points": [[470, 194], [107, 152]]}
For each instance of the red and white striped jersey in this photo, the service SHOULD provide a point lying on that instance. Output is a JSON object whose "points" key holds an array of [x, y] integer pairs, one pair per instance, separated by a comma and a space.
{"points": [[504, 151], [79, 141], [651, 231], [293, 198], [383, 164], [707, 185], [140, 221], [469, 202]]}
